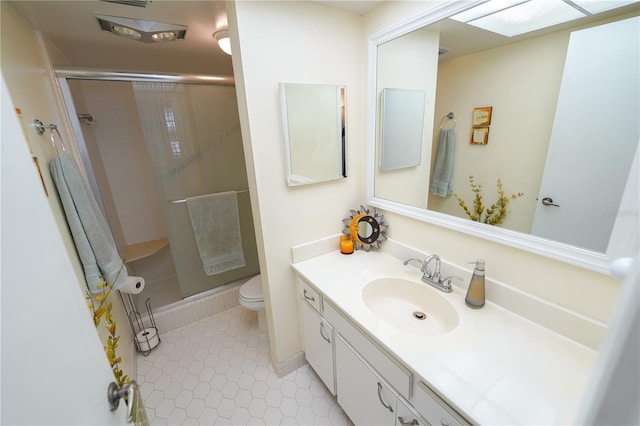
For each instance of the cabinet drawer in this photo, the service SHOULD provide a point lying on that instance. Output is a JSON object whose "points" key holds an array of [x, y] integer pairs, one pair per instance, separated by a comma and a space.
{"points": [[397, 375], [433, 408], [310, 295]]}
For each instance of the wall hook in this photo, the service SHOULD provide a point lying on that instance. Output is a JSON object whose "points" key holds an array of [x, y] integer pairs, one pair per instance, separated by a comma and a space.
{"points": [[86, 119]]}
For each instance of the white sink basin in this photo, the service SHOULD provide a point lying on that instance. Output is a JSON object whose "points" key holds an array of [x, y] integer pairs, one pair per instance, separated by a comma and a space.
{"points": [[410, 306]]}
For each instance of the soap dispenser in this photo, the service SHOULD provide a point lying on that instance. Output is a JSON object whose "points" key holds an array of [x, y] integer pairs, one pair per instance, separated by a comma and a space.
{"points": [[475, 292]]}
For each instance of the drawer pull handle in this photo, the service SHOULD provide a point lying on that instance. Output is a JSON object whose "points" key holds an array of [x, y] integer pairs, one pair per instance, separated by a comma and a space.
{"points": [[313, 299], [443, 422], [413, 422], [322, 334], [388, 407]]}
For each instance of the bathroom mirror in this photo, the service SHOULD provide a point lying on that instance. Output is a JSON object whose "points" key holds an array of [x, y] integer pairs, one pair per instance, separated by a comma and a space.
{"points": [[520, 131], [314, 129]]}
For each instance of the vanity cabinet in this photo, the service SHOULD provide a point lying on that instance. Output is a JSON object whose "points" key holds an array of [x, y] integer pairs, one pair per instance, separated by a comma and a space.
{"points": [[372, 386]]}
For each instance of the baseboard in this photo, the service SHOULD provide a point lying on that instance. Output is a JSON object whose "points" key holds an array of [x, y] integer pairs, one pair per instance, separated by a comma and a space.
{"points": [[289, 365]]}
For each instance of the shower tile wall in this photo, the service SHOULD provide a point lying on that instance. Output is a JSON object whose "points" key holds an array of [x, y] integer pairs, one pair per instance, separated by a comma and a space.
{"points": [[122, 167]]}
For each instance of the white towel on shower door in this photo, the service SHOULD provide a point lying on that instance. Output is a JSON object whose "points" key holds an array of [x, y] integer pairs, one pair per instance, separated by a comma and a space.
{"points": [[216, 226]]}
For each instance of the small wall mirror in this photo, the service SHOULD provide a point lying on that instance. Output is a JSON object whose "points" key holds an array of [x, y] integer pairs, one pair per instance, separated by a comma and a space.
{"points": [[314, 129], [402, 127]]}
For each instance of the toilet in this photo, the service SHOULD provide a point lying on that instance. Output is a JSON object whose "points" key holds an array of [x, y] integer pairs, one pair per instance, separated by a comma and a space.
{"points": [[252, 297]]}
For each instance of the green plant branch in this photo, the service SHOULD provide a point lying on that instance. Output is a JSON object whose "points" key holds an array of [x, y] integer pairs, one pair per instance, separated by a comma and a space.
{"points": [[493, 215], [104, 310]]}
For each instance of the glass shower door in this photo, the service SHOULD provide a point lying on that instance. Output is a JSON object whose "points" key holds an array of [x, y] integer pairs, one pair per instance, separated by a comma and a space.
{"points": [[192, 134]]}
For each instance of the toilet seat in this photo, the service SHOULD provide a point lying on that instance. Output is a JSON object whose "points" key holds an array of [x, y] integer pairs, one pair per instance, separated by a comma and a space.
{"points": [[251, 291], [252, 297]]}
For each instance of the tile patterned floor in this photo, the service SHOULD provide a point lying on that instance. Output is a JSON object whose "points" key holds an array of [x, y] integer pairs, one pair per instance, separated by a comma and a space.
{"points": [[217, 371]]}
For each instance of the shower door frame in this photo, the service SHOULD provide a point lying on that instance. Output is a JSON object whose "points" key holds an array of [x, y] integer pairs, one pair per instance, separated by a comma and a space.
{"points": [[63, 74], [78, 143]]}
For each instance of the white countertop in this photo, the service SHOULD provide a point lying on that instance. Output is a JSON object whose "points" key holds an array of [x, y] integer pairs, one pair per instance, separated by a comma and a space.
{"points": [[495, 367]]}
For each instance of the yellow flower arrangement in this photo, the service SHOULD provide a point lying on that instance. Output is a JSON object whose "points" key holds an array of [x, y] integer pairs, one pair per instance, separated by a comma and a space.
{"points": [[104, 310], [496, 213]]}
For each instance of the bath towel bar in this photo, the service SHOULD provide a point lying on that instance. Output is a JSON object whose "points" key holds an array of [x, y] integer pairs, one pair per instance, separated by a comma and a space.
{"points": [[184, 201], [40, 128]]}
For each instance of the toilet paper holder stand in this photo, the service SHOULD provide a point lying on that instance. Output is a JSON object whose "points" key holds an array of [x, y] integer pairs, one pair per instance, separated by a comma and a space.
{"points": [[145, 337]]}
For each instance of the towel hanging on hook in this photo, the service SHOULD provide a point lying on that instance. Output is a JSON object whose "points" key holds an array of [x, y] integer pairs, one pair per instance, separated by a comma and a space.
{"points": [[450, 116], [40, 128]]}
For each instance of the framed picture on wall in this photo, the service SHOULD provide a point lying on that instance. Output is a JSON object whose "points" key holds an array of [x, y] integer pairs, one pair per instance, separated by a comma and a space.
{"points": [[481, 116], [479, 135]]}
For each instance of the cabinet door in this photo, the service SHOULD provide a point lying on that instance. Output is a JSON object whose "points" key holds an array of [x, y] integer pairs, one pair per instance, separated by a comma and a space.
{"points": [[365, 397], [318, 344]]}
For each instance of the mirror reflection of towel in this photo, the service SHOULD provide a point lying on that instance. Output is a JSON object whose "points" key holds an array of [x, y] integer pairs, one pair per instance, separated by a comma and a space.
{"points": [[216, 226], [441, 184]]}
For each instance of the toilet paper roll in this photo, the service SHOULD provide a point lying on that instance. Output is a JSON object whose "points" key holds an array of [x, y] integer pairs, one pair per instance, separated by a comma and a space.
{"points": [[147, 339], [133, 285]]}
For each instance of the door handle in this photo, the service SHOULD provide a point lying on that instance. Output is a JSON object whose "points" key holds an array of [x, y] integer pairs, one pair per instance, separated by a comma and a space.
{"points": [[322, 334], [129, 392], [548, 201], [388, 407], [413, 422], [304, 293]]}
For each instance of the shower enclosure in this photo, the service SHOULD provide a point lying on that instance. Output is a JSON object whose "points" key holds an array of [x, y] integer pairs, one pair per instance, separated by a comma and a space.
{"points": [[148, 144]]}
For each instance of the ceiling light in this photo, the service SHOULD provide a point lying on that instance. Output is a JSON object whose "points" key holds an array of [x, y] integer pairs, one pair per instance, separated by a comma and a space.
{"points": [[140, 30], [222, 37], [514, 17], [139, 3], [164, 36], [598, 6], [485, 9], [527, 17], [126, 32]]}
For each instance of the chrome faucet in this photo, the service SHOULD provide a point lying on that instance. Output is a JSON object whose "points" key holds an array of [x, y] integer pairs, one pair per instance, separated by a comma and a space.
{"points": [[434, 278]]}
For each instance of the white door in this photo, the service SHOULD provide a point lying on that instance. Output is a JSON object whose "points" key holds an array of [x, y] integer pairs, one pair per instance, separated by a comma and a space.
{"points": [[53, 367], [587, 166]]}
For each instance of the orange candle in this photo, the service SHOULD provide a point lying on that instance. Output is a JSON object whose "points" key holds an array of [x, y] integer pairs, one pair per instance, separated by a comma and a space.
{"points": [[346, 244]]}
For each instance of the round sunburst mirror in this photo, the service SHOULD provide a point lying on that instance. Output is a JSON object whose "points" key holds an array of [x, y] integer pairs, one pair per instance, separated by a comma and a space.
{"points": [[366, 227]]}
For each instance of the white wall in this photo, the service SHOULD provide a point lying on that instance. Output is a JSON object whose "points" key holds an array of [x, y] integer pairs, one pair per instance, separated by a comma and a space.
{"points": [[294, 42]]}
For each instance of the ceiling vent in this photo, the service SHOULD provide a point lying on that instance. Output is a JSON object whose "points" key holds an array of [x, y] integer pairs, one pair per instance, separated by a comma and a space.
{"points": [[140, 30], [139, 3]]}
